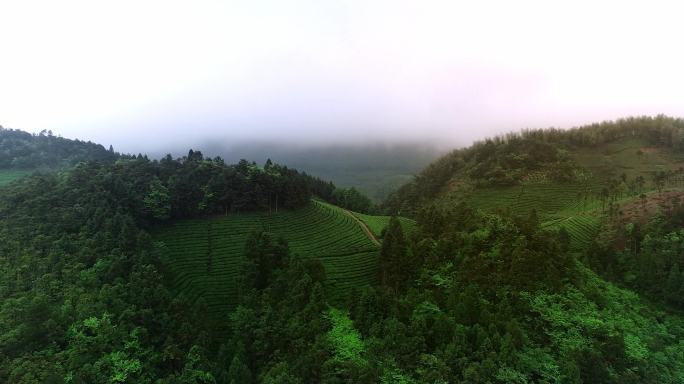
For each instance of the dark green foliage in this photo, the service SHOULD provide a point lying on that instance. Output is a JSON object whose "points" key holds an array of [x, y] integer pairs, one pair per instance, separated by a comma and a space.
{"points": [[203, 256], [350, 198], [395, 264], [238, 371], [158, 202], [286, 345], [649, 259], [502, 301], [84, 298], [265, 255], [22, 150], [505, 161], [201, 186], [467, 297], [438, 218], [196, 187], [510, 252]]}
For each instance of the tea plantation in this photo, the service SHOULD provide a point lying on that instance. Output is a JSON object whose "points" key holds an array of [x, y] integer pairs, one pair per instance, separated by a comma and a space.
{"points": [[205, 256]]}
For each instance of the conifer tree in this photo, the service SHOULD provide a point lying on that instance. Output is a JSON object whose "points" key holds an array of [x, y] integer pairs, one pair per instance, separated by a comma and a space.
{"points": [[392, 260]]}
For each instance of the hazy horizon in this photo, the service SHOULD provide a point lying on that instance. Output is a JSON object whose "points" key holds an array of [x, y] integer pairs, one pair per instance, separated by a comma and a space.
{"points": [[161, 76]]}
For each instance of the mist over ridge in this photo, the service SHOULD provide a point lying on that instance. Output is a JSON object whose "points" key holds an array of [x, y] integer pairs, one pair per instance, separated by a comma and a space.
{"points": [[322, 73]]}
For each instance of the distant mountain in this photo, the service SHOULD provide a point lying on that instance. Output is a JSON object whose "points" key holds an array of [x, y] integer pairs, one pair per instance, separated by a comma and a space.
{"points": [[374, 169]]}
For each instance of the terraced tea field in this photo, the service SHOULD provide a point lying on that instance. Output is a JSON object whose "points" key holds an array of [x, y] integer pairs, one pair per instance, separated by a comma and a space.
{"points": [[574, 206], [581, 228], [204, 256], [378, 223], [545, 198]]}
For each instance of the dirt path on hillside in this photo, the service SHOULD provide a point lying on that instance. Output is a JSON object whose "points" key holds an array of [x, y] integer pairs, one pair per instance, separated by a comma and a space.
{"points": [[363, 225], [365, 228]]}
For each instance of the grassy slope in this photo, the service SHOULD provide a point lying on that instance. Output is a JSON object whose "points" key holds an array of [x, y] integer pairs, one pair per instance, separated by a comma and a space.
{"points": [[9, 175], [378, 223], [205, 255], [576, 205]]}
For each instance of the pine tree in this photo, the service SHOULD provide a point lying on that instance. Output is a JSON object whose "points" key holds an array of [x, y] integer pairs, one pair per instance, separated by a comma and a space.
{"points": [[393, 268], [673, 285], [238, 372], [265, 254], [158, 201]]}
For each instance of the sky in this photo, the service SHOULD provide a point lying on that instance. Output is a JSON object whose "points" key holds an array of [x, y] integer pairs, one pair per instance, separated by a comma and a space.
{"points": [[144, 75]]}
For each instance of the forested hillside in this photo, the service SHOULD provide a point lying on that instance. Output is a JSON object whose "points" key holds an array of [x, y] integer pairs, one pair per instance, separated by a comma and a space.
{"points": [[544, 257], [22, 153], [613, 193], [84, 297], [22, 150], [555, 155]]}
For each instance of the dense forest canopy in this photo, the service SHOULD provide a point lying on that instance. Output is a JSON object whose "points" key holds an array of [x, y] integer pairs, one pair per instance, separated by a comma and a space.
{"points": [[469, 296], [22, 150], [201, 186], [83, 293]]}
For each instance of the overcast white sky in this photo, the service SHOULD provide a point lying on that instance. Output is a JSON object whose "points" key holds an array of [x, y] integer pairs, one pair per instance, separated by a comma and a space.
{"points": [[143, 74]]}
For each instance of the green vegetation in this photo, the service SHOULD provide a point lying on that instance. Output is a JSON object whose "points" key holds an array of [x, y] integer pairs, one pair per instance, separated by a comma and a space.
{"points": [[373, 169], [377, 224], [628, 328], [573, 206], [581, 229], [21, 153], [633, 156], [87, 300], [576, 156], [9, 175], [345, 339], [206, 255], [22, 150], [195, 271], [350, 198], [580, 180], [545, 197]]}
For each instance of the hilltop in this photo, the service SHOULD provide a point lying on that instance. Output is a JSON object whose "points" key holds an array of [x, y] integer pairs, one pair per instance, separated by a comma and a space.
{"points": [[591, 154], [22, 153], [23, 150], [572, 178]]}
